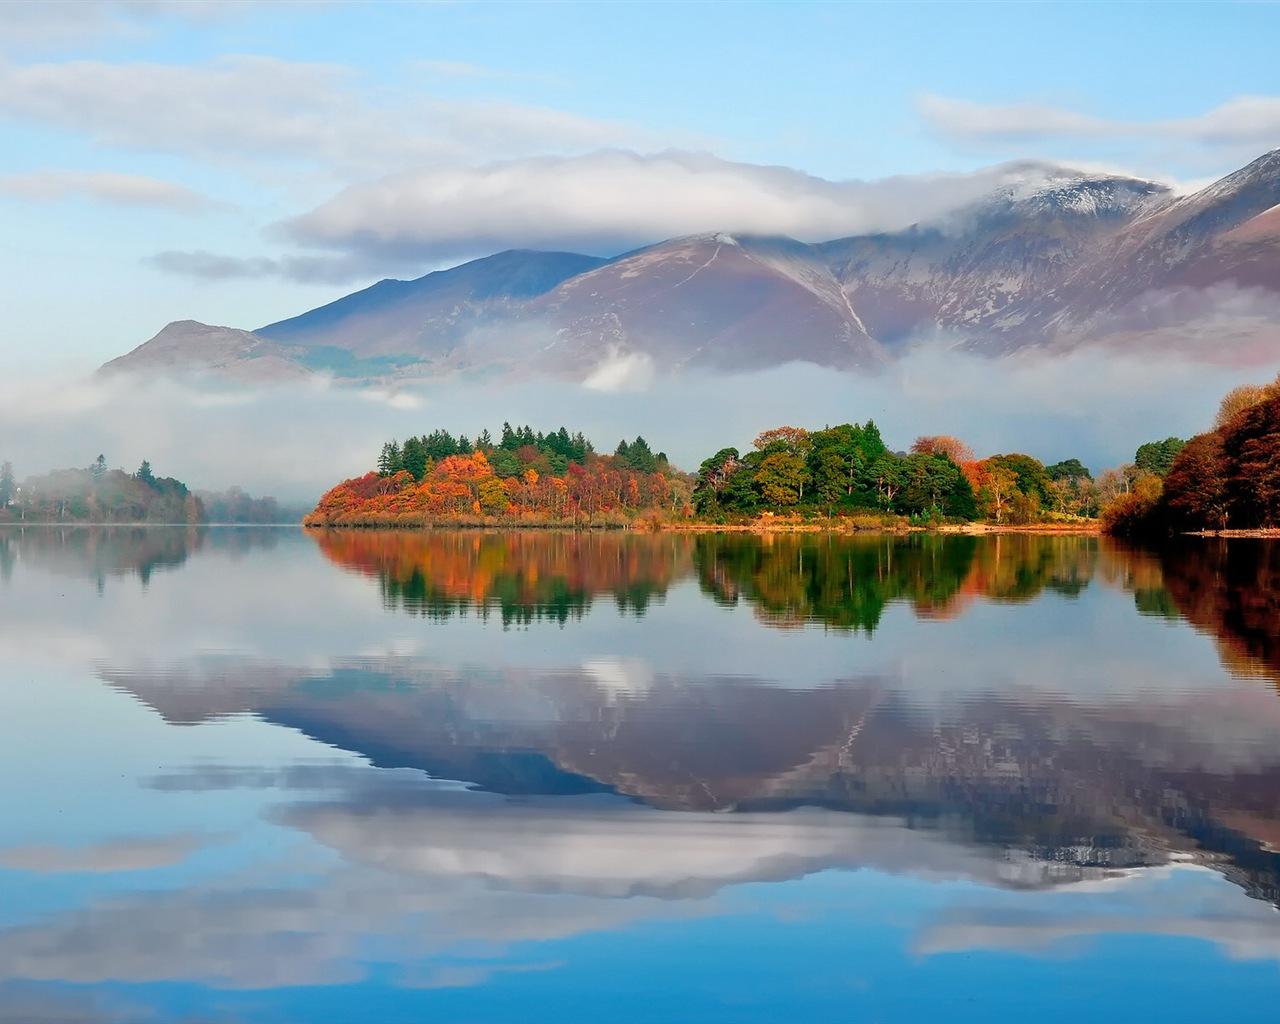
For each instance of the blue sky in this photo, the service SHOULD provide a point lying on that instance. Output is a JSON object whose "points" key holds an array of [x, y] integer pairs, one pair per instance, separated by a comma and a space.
{"points": [[237, 163]]}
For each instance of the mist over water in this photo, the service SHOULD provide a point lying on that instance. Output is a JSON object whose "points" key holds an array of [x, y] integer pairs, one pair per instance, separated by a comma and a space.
{"points": [[295, 440]]}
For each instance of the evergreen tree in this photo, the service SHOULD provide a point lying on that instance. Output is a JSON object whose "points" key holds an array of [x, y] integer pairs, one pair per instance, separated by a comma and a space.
{"points": [[1157, 456], [640, 457], [144, 474], [7, 487], [413, 457], [1068, 469], [389, 463]]}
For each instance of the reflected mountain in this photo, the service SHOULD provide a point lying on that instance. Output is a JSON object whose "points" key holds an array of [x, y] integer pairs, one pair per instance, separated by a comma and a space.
{"points": [[100, 553], [1051, 778]]}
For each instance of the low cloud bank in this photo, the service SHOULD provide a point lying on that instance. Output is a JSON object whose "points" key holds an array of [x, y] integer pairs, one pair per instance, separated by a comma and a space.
{"points": [[609, 201], [295, 440]]}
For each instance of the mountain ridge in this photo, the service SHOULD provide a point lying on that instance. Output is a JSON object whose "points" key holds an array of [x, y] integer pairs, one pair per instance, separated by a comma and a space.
{"points": [[1050, 260]]}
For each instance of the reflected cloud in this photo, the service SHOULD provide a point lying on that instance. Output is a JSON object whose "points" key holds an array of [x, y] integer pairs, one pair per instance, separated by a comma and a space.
{"points": [[26, 1003], [1033, 777], [120, 855], [607, 851], [273, 931], [1243, 930]]}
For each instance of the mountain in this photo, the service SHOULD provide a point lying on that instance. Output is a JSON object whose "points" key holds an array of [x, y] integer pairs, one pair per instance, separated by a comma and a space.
{"points": [[989, 267], [719, 301], [189, 347], [1051, 260], [432, 315]]}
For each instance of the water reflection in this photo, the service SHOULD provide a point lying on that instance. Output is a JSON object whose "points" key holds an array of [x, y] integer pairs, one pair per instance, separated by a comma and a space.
{"points": [[846, 582], [873, 751], [100, 553], [1231, 590], [524, 576], [1058, 779], [841, 582]]}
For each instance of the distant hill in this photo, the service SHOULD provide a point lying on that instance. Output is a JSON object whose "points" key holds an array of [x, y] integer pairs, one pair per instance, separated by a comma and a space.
{"points": [[1054, 259]]}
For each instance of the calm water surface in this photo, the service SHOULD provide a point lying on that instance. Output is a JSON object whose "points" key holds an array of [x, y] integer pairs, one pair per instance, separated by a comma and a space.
{"points": [[372, 777]]}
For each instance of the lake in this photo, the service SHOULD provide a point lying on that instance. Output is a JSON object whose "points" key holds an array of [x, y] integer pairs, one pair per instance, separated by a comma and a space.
{"points": [[272, 776]]}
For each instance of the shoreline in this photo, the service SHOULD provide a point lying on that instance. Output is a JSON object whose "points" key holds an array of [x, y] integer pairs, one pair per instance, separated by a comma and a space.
{"points": [[759, 527], [1266, 533]]}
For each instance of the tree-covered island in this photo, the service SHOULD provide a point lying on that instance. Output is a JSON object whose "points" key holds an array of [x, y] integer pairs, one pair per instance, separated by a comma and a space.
{"points": [[843, 474], [840, 477]]}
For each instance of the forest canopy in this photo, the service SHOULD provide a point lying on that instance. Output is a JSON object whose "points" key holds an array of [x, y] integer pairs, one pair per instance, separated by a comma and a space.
{"points": [[531, 476], [524, 476]]}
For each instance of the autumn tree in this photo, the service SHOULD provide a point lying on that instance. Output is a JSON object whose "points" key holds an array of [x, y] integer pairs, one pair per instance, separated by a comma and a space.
{"points": [[793, 440], [1136, 512], [1251, 452], [943, 444], [1236, 401], [1196, 485], [1001, 483]]}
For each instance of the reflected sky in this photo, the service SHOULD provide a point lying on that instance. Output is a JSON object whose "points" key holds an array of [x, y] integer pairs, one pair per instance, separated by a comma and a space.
{"points": [[272, 776]]}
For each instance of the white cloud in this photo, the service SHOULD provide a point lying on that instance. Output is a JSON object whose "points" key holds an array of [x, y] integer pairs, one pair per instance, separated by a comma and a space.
{"points": [[210, 266], [1249, 124], [28, 23], [106, 186], [465, 70], [257, 107], [633, 371], [606, 201]]}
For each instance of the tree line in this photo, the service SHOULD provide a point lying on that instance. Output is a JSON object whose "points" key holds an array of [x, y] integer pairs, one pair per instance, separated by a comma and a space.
{"points": [[1227, 478], [848, 469], [517, 450], [97, 494], [525, 476], [841, 471]]}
